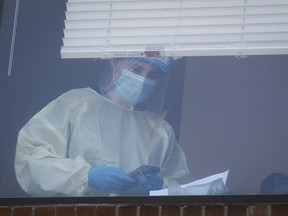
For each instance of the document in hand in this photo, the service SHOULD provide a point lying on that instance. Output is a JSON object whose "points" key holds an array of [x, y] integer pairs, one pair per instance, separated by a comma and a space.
{"points": [[210, 185]]}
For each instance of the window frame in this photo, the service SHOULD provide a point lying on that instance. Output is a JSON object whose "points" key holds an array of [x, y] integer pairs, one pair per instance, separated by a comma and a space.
{"points": [[157, 200]]}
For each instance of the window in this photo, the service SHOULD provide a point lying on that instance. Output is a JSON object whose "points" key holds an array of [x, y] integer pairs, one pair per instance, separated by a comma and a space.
{"points": [[226, 112]]}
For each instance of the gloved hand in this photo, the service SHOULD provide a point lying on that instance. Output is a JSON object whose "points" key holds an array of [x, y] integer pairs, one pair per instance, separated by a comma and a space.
{"points": [[110, 179], [154, 182]]}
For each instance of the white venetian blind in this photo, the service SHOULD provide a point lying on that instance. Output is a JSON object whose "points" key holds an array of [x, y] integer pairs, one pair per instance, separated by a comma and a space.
{"points": [[133, 28]]}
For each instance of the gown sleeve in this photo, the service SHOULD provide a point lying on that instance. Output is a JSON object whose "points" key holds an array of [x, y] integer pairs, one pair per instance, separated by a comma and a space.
{"points": [[41, 164], [174, 166]]}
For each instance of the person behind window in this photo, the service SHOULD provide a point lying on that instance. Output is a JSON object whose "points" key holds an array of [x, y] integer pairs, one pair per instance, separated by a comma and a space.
{"points": [[86, 142]]}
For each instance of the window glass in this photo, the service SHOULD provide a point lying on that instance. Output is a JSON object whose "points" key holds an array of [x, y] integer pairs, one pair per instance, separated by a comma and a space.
{"points": [[78, 127]]}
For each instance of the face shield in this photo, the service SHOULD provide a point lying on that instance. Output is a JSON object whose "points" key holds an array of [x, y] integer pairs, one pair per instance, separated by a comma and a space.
{"points": [[136, 83]]}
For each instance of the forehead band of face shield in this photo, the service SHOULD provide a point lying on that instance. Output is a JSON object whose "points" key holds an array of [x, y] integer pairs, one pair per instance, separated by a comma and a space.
{"points": [[161, 63]]}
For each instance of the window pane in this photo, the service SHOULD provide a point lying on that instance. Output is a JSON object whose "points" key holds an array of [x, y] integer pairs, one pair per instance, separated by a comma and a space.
{"points": [[225, 113]]}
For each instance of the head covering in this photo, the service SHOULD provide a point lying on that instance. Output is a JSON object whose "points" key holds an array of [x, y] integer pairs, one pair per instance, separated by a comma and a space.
{"points": [[162, 63]]}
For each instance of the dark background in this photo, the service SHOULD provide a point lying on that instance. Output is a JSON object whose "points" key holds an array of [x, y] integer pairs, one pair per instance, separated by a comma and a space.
{"points": [[235, 117]]}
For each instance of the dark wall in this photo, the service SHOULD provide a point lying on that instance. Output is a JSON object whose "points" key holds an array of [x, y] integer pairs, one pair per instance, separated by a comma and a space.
{"points": [[235, 117]]}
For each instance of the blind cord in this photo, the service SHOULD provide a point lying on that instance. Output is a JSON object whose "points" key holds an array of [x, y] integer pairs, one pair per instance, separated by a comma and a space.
{"points": [[12, 47]]}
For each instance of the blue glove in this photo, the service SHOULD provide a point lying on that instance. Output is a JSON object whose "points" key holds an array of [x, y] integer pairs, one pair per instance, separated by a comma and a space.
{"points": [[154, 182], [110, 179]]}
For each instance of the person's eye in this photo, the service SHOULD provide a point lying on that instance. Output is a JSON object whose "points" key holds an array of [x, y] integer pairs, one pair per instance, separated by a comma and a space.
{"points": [[140, 71], [153, 75]]}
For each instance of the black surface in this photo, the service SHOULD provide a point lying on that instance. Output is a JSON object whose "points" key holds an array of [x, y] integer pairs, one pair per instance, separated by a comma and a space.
{"points": [[155, 200]]}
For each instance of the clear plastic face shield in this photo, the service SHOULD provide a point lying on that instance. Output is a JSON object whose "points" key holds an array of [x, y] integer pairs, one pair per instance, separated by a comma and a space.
{"points": [[136, 83]]}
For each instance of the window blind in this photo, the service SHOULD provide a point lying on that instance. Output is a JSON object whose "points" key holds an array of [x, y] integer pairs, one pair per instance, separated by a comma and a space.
{"points": [[177, 28]]}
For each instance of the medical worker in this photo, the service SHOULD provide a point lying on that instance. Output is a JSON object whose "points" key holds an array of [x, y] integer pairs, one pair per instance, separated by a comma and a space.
{"points": [[86, 142]]}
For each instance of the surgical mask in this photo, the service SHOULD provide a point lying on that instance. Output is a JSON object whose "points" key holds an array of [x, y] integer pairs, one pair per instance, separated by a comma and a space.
{"points": [[133, 88]]}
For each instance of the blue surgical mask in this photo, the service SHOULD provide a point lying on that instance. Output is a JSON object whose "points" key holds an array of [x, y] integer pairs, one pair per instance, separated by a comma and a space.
{"points": [[133, 88]]}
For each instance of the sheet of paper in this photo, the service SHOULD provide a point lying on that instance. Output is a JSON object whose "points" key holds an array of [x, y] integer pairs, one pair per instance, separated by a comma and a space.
{"points": [[199, 187]]}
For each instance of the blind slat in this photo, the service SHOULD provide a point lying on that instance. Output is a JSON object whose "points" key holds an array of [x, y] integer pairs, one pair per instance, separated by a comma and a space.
{"points": [[255, 2], [182, 39], [157, 13], [221, 50], [183, 30], [161, 22], [137, 5]]}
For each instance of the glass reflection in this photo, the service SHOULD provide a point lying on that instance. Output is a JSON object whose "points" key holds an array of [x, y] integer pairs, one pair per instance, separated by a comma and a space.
{"points": [[226, 114]]}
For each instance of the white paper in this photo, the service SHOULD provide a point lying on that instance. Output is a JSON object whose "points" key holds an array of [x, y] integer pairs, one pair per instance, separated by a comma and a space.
{"points": [[198, 187]]}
